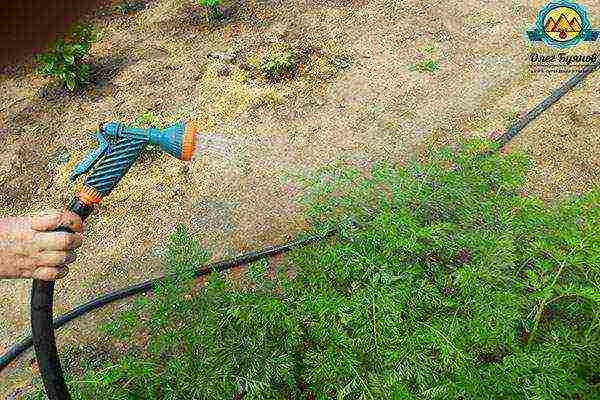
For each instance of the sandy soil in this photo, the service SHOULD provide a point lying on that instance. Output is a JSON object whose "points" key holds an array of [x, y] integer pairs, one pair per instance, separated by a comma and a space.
{"points": [[375, 108]]}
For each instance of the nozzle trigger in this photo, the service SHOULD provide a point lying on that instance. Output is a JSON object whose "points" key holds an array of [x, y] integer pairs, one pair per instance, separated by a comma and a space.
{"points": [[91, 158]]}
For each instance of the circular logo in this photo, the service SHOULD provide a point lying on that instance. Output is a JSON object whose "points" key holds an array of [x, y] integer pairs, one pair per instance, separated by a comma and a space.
{"points": [[562, 23]]}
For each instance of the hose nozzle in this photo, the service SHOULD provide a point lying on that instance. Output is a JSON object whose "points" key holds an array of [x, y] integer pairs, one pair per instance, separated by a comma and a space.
{"points": [[178, 140], [120, 146]]}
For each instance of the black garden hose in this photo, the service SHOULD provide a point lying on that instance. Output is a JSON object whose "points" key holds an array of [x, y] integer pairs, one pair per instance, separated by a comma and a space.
{"points": [[43, 325], [547, 103], [42, 295], [42, 330]]}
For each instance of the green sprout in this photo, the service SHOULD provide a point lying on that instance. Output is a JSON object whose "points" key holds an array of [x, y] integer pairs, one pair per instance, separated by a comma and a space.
{"points": [[428, 65], [429, 49], [280, 60], [213, 6]]}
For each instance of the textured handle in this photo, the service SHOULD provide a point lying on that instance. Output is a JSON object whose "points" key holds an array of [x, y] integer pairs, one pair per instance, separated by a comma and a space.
{"points": [[91, 158], [114, 165]]}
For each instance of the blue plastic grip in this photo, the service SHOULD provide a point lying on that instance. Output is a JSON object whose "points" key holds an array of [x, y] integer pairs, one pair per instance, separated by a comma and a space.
{"points": [[109, 171], [91, 158]]}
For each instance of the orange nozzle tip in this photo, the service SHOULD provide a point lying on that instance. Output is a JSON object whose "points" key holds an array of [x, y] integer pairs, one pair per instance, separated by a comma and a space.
{"points": [[89, 196], [189, 141]]}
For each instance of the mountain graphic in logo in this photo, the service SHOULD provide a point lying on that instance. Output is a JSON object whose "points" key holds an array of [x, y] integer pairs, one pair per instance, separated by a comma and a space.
{"points": [[575, 25], [562, 24], [550, 25]]}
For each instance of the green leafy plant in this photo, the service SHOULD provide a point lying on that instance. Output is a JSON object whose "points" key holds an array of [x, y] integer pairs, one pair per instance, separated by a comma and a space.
{"points": [[445, 282], [214, 8], [147, 119], [279, 61], [65, 59], [428, 65], [429, 49]]}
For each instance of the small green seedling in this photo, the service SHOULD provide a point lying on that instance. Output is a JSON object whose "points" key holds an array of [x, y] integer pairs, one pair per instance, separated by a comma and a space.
{"points": [[213, 6], [279, 61], [428, 65], [429, 49], [147, 120], [65, 59]]}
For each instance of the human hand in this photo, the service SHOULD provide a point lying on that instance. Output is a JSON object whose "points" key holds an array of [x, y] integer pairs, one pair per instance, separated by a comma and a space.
{"points": [[30, 249]]}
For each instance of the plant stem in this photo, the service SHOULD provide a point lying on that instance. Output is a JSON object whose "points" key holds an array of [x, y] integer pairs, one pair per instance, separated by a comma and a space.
{"points": [[538, 315]]}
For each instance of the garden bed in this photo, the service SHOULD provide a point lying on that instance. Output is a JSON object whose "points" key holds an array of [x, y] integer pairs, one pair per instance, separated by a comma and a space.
{"points": [[446, 282], [375, 91]]}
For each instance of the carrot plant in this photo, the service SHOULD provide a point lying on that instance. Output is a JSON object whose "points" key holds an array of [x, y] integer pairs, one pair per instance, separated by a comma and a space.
{"points": [[446, 282]]}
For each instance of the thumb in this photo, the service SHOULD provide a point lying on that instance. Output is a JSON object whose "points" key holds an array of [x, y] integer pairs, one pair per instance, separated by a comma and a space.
{"points": [[46, 221]]}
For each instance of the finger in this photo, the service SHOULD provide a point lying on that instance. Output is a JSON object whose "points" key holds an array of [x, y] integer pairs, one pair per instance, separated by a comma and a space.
{"points": [[46, 221], [51, 220], [57, 241], [55, 259], [72, 220], [50, 274]]}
